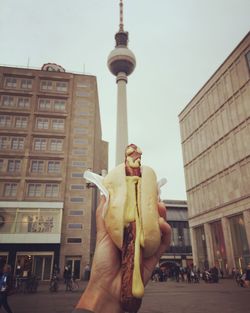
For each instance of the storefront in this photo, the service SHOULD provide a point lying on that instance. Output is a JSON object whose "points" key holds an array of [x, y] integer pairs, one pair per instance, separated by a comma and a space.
{"points": [[201, 248], [219, 247], [239, 241], [30, 236]]}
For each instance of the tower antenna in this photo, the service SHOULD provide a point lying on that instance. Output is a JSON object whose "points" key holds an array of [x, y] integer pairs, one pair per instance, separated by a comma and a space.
{"points": [[121, 17]]}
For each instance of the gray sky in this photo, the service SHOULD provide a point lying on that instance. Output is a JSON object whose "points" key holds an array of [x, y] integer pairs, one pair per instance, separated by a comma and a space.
{"points": [[178, 45]]}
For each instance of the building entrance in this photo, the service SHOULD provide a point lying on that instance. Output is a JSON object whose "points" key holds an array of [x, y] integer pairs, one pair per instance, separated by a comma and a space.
{"points": [[36, 263], [75, 265]]}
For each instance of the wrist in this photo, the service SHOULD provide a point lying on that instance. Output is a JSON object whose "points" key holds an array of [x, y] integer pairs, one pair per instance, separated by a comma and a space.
{"points": [[98, 300]]}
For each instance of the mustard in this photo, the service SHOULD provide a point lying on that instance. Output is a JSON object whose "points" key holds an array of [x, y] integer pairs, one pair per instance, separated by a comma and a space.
{"points": [[132, 213]]}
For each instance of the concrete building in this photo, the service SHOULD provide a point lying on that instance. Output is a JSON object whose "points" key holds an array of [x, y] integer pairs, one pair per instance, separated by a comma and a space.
{"points": [[215, 134], [180, 250], [50, 133], [121, 63]]}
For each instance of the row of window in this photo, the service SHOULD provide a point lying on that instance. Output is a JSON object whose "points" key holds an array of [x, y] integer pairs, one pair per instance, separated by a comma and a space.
{"points": [[38, 166], [40, 190], [25, 83], [39, 144], [44, 104], [13, 121], [33, 190], [41, 122]]}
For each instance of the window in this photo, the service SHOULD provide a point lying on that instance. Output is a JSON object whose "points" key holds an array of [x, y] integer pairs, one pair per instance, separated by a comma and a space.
{"points": [[80, 131], [10, 189], [51, 190], [61, 86], [76, 175], [45, 105], [59, 105], [37, 166], [80, 141], [54, 167], [77, 199], [248, 59], [58, 124], [17, 143], [75, 226], [78, 164], [14, 166], [21, 122], [46, 85], [4, 143], [76, 212], [34, 190], [40, 144], [42, 123], [77, 187], [5, 121], [10, 82], [8, 101], [26, 83], [23, 103], [74, 240], [79, 151], [1, 165], [56, 145]]}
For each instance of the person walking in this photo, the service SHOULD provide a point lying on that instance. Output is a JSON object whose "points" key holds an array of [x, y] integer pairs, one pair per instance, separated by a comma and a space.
{"points": [[5, 286]]}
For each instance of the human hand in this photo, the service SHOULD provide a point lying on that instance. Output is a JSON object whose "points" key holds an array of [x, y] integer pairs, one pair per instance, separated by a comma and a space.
{"points": [[103, 291]]}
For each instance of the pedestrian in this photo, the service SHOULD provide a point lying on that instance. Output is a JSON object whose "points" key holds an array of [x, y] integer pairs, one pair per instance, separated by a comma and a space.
{"points": [[5, 287], [87, 272], [68, 277], [247, 277]]}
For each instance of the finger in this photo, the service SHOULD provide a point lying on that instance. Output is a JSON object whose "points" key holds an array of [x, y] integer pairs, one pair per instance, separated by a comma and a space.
{"points": [[162, 210], [166, 236]]}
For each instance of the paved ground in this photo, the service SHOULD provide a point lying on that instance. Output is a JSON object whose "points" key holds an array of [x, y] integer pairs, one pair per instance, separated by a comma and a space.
{"points": [[167, 297]]}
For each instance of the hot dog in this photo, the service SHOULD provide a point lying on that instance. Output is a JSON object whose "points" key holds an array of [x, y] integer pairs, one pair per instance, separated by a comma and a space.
{"points": [[131, 220]]}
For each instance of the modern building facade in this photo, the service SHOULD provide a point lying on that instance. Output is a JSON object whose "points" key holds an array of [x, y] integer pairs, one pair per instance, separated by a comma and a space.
{"points": [[215, 134], [180, 251], [50, 133]]}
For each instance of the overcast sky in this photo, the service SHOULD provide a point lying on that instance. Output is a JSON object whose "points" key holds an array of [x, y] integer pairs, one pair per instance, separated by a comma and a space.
{"points": [[178, 45]]}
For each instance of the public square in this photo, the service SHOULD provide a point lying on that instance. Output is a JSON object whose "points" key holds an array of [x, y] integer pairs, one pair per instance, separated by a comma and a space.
{"points": [[160, 297]]}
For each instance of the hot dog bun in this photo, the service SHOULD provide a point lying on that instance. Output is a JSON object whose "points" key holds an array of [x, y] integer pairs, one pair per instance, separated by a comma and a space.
{"points": [[116, 184]]}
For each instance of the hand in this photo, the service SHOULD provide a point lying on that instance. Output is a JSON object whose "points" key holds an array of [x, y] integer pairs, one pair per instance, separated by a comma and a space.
{"points": [[103, 291]]}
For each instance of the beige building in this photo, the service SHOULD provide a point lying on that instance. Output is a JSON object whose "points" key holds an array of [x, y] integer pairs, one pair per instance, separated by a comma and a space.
{"points": [[50, 133], [215, 134]]}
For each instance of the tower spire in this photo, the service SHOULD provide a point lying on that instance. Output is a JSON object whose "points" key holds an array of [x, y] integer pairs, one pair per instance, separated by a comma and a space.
{"points": [[121, 17]]}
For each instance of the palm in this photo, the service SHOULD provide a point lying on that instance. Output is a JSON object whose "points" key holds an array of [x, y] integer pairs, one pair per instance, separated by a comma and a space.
{"points": [[107, 260]]}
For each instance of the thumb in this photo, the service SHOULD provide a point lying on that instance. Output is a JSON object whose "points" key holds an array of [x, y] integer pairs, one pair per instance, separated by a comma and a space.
{"points": [[100, 226]]}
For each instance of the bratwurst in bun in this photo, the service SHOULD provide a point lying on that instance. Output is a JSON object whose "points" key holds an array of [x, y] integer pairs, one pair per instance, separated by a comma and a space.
{"points": [[131, 220]]}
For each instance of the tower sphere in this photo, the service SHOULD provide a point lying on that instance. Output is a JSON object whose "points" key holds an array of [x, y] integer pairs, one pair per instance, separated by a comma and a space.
{"points": [[121, 59]]}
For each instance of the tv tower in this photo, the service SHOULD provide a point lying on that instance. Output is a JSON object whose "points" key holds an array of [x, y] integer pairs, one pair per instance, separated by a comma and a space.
{"points": [[121, 63]]}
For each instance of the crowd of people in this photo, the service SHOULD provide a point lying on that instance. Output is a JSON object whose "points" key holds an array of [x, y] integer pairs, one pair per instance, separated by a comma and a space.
{"points": [[189, 274]]}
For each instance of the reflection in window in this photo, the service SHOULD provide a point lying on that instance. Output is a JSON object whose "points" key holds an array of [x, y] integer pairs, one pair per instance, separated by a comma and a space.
{"points": [[42, 123], [23, 103], [40, 144], [26, 83], [51, 190], [21, 122], [37, 166], [10, 189], [10, 82], [54, 167], [5, 121], [14, 166], [56, 145], [34, 190], [17, 143]]}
